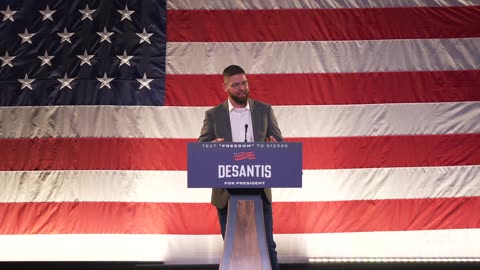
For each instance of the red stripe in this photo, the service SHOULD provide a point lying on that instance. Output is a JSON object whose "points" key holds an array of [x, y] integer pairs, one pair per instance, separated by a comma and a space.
{"points": [[182, 218], [331, 88], [322, 24], [170, 154], [390, 151], [93, 154]]}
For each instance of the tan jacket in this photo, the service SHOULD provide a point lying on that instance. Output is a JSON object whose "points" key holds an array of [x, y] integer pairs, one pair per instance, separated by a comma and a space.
{"points": [[217, 125]]}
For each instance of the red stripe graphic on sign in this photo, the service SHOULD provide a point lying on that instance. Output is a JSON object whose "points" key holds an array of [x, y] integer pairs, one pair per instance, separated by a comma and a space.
{"points": [[244, 155]]}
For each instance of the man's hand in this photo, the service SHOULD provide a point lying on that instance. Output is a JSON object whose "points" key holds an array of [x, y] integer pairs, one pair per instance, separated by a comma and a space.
{"points": [[219, 140], [271, 139]]}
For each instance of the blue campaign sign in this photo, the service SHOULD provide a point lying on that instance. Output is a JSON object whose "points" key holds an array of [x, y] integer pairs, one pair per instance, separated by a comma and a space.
{"points": [[244, 165]]}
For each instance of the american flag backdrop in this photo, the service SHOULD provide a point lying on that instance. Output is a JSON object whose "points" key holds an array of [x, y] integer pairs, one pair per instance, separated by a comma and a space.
{"points": [[100, 98]]}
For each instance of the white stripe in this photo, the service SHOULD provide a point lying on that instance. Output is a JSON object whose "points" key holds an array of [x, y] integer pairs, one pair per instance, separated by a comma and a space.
{"points": [[294, 121], [165, 186], [304, 4], [207, 249], [379, 119], [324, 56]]}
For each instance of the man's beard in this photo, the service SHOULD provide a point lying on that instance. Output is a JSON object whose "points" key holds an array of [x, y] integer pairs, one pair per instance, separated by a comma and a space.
{"points": [[240, 100]]}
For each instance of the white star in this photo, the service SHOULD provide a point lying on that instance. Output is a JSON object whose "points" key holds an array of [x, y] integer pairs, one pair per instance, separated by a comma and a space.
{"points": [[126, 13], [85, 58], [8, 14], [124, 59], [105, 81], [65, 36], [47, 14], [144, 82], [144, 36], [26, 82], [66, 81], [7, 59], [26, 37], [46, 59], [105, 36], [87, 13]]}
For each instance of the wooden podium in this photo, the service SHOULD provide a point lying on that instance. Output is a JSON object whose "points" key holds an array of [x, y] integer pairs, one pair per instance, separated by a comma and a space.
{"points": [[245, 244], [244, 165]]}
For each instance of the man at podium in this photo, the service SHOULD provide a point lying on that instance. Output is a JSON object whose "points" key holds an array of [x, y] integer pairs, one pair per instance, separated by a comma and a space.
{"points": [[241, 119]]}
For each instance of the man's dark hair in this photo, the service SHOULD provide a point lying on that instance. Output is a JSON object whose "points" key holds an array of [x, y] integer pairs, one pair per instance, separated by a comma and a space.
{"points": [[232, 70]]}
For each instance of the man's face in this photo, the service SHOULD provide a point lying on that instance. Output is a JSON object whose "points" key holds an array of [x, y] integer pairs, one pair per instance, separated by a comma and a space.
{"points": [[237, 88]]}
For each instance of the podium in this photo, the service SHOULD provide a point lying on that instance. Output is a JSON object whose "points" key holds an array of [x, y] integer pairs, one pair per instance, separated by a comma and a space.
{"points": [[243, 166]]}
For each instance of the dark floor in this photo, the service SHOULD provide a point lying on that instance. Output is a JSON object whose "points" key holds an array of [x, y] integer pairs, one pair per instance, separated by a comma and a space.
{"points": [[159, 266]]}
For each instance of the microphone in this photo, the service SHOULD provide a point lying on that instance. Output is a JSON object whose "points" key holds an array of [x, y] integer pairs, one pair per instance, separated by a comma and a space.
{"points": [[246, 128]]}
